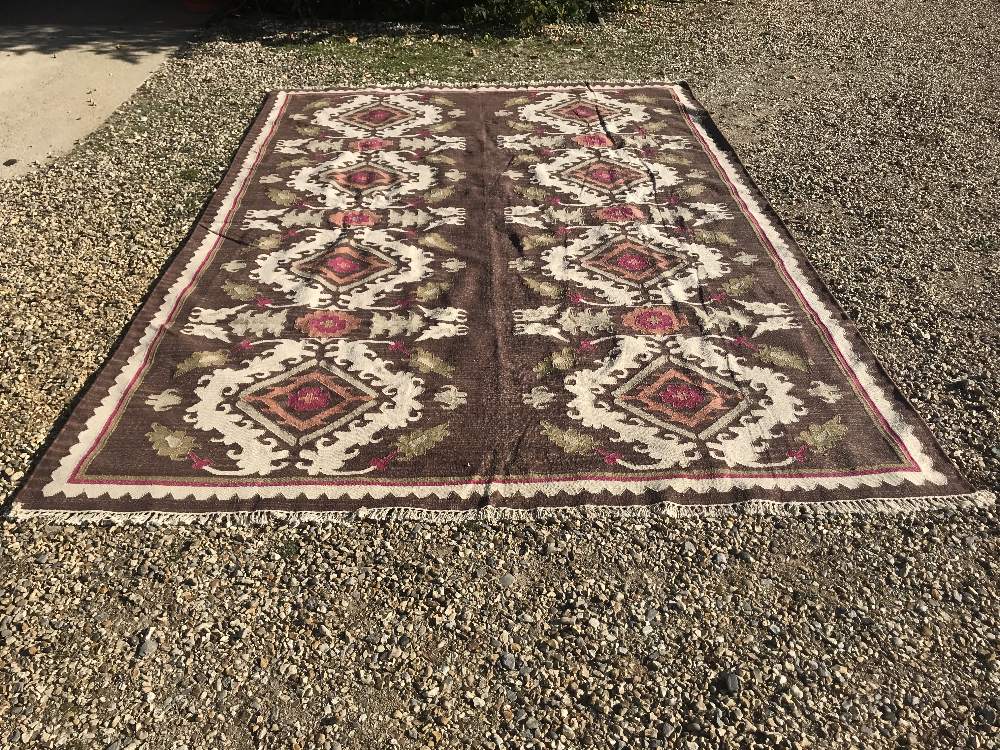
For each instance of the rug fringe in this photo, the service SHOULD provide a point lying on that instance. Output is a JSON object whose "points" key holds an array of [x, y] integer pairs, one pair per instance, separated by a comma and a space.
{"points": [[493, 513]]}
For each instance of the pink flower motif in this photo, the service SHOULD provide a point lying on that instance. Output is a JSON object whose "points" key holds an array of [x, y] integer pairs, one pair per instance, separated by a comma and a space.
{"points": [[718, 297], [197, 462], [341, 264], [371, 144], [545, 151], [245, 345], [744, 342], [620, 214], [682, 396], [398, 346], [575, 298], [594, 140], [562, 230], [632, 262], [263, 302], [610, 457], [383, 462], [553, 200], [656, 321], [326, 324], [586, 346], [309, 398], [640, 130], [798, 454], [355, 218], [672, 200], [584, 112]]}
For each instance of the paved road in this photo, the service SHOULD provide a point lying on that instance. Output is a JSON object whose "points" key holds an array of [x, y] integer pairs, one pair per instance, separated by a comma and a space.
{"points": [[65, 66]]}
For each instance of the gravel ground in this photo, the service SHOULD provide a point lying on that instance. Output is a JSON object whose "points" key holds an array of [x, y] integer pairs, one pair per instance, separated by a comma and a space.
{"points": [[867, 124]]}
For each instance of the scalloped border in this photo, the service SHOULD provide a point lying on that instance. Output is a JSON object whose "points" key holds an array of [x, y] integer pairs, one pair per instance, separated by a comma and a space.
{"points": [[979, 500]]}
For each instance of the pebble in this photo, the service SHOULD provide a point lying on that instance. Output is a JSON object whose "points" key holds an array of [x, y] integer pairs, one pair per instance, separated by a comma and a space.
{"points": [[731, 682]]}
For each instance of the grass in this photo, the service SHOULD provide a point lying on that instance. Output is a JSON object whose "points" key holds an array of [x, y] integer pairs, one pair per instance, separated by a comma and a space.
{"points": [[448, 56]]}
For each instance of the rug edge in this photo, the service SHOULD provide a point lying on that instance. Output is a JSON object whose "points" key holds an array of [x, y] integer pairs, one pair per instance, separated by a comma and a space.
{"points": [[862, 346], [975, 500]]}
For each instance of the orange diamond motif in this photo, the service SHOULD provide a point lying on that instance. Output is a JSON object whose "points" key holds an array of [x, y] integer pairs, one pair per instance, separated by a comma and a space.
{"points": [[636, 264], [377, 115], [306, 402], [682, 398], [345, 266], [604, 174], [363, 178], [581, 110]]}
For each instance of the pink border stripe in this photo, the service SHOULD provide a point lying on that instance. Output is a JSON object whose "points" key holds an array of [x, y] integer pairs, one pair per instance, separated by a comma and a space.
{"points": [[845, 366], [356, 481], [181, 299]]}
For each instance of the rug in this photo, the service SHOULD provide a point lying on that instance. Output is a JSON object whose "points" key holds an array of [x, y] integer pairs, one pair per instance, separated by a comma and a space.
{"points": [[432, 300]]}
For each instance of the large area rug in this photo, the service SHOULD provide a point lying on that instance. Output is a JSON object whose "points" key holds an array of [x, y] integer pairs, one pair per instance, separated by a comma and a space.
{"points": [[443, 299]]}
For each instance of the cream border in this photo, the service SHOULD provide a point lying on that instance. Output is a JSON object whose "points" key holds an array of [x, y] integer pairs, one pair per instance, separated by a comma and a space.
{"points": [[60, 485]]}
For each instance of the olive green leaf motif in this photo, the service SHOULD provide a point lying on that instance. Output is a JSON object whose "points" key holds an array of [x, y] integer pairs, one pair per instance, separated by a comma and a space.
{"points": [[201, 360], [437, 242], [533, 241], [517, 101], [691, 190], [241, 292], [712, 237], [418, 442], [268, 242], [563, 359], [532, 192], [822, 437], [570, 440], [441, 159], [431, 290], [426, 362], [172, 444], [440, 194], [282, 197], [739, 285], [781, 357], [544, 288]]}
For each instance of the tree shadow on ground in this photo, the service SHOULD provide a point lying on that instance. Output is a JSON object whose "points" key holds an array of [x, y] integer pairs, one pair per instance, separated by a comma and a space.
{"points": [[121, 29]]}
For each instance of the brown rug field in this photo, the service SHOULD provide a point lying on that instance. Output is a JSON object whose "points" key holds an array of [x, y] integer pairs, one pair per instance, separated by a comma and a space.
{"points": [[494, 299]]}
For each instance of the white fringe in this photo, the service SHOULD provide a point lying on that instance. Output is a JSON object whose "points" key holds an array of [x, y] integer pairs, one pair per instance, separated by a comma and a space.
{"points": [[495, 513]]}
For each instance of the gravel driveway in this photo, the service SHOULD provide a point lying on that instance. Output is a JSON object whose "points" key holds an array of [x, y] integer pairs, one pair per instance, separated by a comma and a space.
{"points": [[867, 124]]}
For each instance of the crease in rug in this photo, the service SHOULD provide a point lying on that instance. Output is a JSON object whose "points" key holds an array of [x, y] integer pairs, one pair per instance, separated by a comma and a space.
{"points": [[489, 301]]}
